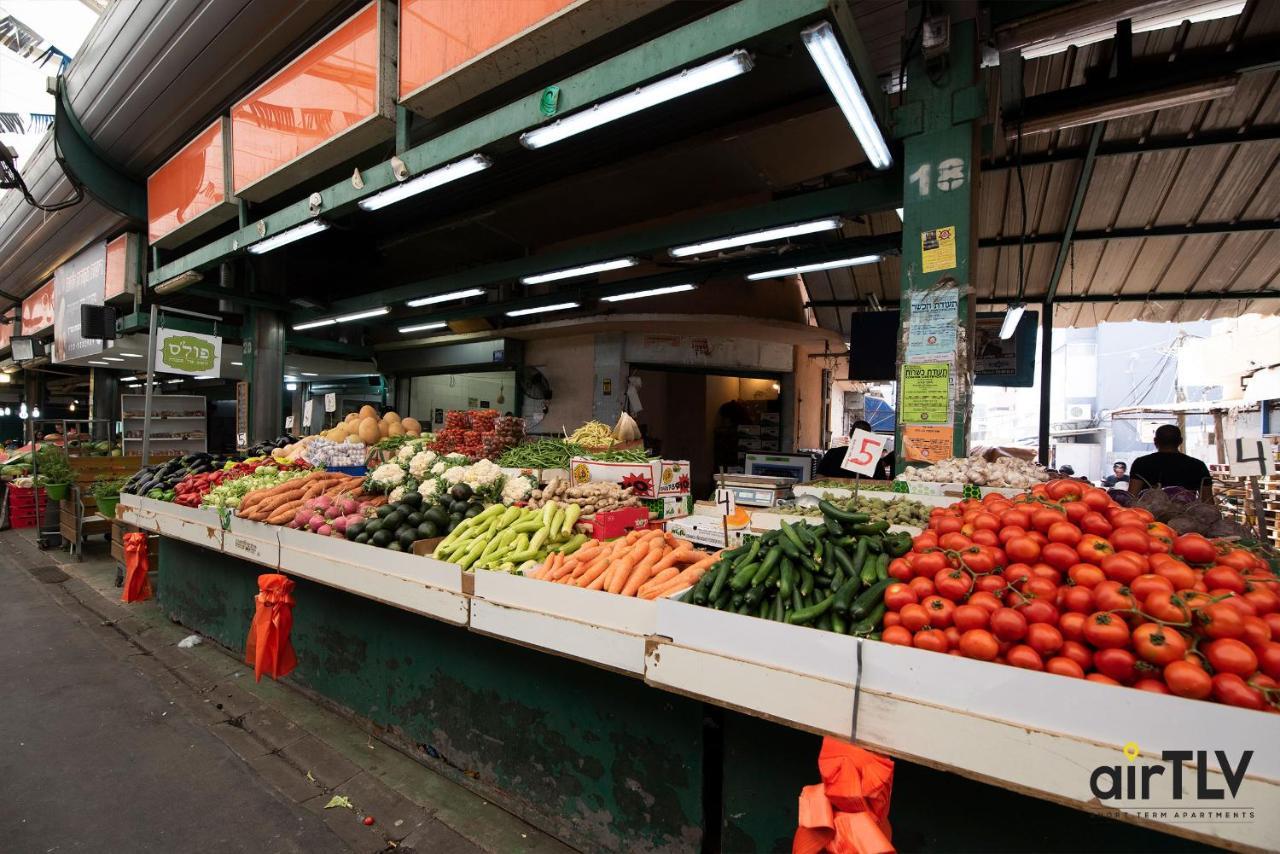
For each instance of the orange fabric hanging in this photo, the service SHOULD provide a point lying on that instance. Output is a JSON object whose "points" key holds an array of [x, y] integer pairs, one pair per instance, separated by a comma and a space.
{"points": [[848, 812], [137, 563], [268, 647]]}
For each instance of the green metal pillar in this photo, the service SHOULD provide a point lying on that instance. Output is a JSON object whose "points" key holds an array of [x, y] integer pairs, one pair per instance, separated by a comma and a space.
{"points": [[944, 99]]}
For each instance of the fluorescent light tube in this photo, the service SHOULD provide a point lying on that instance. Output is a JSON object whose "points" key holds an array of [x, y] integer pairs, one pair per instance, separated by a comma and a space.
{"points": [[451, 295], [575, 272], [427, 181], [361, 315], [559, 306], [291, 386], [171, 382], [649, 95], [202, 378], [780, 233], [811, 268], [823, 45], [178, 282], [653, 292], [239, 364], [312, 324], [130, 355], [99, 363], [1011, 318], [307, 374], [128, 379], [275, 241], [423, 327], [112, 359]]}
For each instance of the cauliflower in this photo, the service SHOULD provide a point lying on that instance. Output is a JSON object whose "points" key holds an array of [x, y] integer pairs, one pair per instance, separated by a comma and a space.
{"points": [[406, 452], [516, 489], [482, 473], [454, 475], [420, 464], [456, 457], [439, 468], [396, 494], [387, 475], [429, 489]]}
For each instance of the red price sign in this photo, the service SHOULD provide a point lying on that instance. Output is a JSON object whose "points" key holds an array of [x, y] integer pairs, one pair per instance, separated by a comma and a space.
{"points": [[864, 452]]}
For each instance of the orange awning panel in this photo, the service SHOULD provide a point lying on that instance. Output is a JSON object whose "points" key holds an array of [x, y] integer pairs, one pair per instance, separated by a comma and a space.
{"points": [[192, 182]]}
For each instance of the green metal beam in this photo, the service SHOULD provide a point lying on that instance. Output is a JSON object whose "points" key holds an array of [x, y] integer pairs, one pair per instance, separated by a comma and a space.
{"points": [[721, 30], [324, 345], [237, 298], [1077, 205], [89, 165], [882, 192]]}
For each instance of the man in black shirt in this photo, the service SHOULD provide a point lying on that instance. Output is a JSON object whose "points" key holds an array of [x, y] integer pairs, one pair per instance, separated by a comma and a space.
{"points": [[1170, 467], [830, 464]]}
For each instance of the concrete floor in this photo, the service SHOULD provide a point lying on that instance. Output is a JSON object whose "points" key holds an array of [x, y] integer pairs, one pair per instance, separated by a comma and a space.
{"points": [[113, 738]]}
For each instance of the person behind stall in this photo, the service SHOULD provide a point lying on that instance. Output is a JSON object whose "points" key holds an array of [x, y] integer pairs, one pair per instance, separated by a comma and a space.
{"points": [[829, 465], [1119, 477], [1170, 467]]}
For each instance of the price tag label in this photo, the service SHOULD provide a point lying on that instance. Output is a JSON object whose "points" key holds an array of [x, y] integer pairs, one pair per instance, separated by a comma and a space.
{"points": [[288, 422], [1251, 457], [306, 412], [863, 453], [725, 499], [331, 402], [242, 440]]}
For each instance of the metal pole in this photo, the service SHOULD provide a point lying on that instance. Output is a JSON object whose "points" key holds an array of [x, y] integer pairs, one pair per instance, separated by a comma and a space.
{"points": [[151, 372], [1046, 376]]}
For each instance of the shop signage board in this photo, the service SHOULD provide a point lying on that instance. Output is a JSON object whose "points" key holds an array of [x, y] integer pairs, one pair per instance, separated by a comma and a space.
{"points": [[932, 329], [122, 267], [925, 392], [37, 310], [190, 353], [80, 281], [926, 444], [191, 192]]}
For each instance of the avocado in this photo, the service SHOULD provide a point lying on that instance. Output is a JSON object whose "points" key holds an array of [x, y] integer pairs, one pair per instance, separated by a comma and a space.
{"points": [[394, 547], [460, 492], [428, 530], [393, 520], [414, 519], [385, 510], [458, 507], [436, 515], [355, 529], [412, 500], [373, 526], [381, 538], [473, 511], [455, 518], [362, 538], [406, 539]]}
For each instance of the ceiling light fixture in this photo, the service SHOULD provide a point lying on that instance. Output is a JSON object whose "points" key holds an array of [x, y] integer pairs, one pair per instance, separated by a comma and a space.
{"points": [[780, 233], [173, 382], [361, 315], [275, 241], [650, 95], [112, 359], [1124, 106], [653, 292], [823, 45], [309, 374], [313, 324], [1012, 317], [238, 364], [813, 268], [427, 181], [92, 362], [128, 355], [559, 306], [423, 327], [178, 282], [575, 272], [447, 297]]}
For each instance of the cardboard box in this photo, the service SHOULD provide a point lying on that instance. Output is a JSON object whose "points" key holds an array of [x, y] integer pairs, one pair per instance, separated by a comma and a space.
{"points": [[643, 478], [669, 506], [773, 418], [748, 430], [674, 479], [750, 445], [616, 523], [706, 531]]}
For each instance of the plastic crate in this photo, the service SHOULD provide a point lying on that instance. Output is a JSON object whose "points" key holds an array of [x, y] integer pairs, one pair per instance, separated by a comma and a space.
{"points": [[25, 497], [24, 518]]}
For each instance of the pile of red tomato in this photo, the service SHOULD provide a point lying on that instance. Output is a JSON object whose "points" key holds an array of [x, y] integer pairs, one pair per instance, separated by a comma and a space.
{"points": [[1064, 580]]}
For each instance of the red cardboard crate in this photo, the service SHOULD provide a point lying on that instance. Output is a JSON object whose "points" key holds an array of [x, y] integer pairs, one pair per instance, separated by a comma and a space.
{"points": [[618, 523]]}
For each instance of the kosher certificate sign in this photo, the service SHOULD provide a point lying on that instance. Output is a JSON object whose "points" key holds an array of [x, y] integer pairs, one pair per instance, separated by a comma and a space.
{"points": [[926, 393], [931, 327]]}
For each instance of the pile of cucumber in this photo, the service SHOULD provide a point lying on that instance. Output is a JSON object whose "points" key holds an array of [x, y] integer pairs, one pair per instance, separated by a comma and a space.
{"points": [[830, 576]]}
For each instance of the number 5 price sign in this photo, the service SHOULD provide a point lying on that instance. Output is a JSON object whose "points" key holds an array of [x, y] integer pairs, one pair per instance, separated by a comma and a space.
{"points": [[863, 455]]}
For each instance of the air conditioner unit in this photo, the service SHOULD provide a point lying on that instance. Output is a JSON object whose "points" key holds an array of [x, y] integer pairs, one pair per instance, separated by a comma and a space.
{"points": [[1079, 412]]}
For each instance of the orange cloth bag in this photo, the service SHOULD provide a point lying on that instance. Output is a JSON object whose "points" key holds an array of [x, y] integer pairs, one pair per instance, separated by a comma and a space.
{"points": [[137, 563], [848, 812], [268, 647]]}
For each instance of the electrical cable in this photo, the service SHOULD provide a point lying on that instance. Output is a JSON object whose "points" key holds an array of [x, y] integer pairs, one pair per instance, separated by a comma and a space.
{"points": [[11, 178]]}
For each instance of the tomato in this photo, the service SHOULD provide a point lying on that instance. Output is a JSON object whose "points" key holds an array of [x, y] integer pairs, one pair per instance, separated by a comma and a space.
{"points": [[1041, 588], [1106, 631], [1161, 530], [940, 611], [928, 564], [1158, 644], [1194, 548], [914, 617], [1063, 532], [1008, 624], [986, 538], [1039, 611], [1044, 638], [1235, 600], [1009, 532], [1129, 538], [1044, 518], [1127, 516], [1256, 632], [899, 635], [1024, 656], [1059, 555], [1241, 559], [1086, 575], [1064, 666], [1148, 583], [1179, 574], [985, 600], [1167, 607], [953, 637], [1119, 664], [1076, 599], [1015, 519], [1228, 655], [1043, 570], [1071, 625], [1269, 659], [954, 541], [978, 558], [990, 584], [1103, 679], [1092, 549], [1022, 549], [1220, 620], [891, 618], [1111, 596], [968, 617], [1273, 620], [923, 541], [1264, 600], [1096, 499], [1187, 680], [897, 595], [923, 587], [1015, 573], [1096, 524], [1077, 652], [932, 640], [900, 569], [1151, 684], [1224, 577], [979, 644], [1121, 567], [954, 584], [1231, 689], [947, 524]]}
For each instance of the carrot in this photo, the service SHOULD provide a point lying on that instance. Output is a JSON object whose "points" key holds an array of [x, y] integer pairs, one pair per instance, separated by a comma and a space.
{"points": [[550, 568], [588, 568], [687, 578], [644, 568], [679, 555], [659, 580], [284, 512]]}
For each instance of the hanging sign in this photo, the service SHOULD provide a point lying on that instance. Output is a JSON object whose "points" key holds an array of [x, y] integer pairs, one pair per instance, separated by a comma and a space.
{"points": [[926, 393], [925, 444], [331, 402], [1251, 457], [932, 329], [80, 281], [189, 353], [306, 412], [37, 310], [863, 454], [938, 249]]}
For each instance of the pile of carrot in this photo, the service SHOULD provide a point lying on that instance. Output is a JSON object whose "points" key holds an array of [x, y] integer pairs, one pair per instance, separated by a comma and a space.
{"points": [[647, 564], [277, 505]]}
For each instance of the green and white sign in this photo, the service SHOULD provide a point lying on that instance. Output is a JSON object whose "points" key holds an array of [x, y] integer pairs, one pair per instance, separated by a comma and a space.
{"points": [[188, 353]]}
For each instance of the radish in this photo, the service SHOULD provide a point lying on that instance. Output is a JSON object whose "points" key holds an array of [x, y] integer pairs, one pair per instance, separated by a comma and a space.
{"points": [[340, 525], [348, 505], [316, 522], [324, 530], [323, 502]]}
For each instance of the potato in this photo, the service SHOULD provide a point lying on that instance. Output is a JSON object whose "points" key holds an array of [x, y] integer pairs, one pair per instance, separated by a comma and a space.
{"points": [[383, 427], [368, 411], [391, 416], [353, 439], [395, 429], [368, 431], [351, 418], [412, 434], [410, 425]]}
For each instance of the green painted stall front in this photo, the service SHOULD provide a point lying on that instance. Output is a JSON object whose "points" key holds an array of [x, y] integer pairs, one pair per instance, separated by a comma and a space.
{"points": [[599, 759]]}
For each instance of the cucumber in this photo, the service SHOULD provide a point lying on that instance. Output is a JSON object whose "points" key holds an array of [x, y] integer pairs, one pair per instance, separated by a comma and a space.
{"points": [[869, 623], [797, 602], [806, 581], [842, 559], [752, 551], [869, 574], [699, 593], [833, 526], [790, 534], [844, 596], [765, 609], [882, 566], [824, 623], [722, 602], [789, 548], [721, 576], [830, 510], [868, 599], [779, 613], [742, 577], [771, 560], [787, 579], [871, 528], [811, 613], [838, 623]]}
